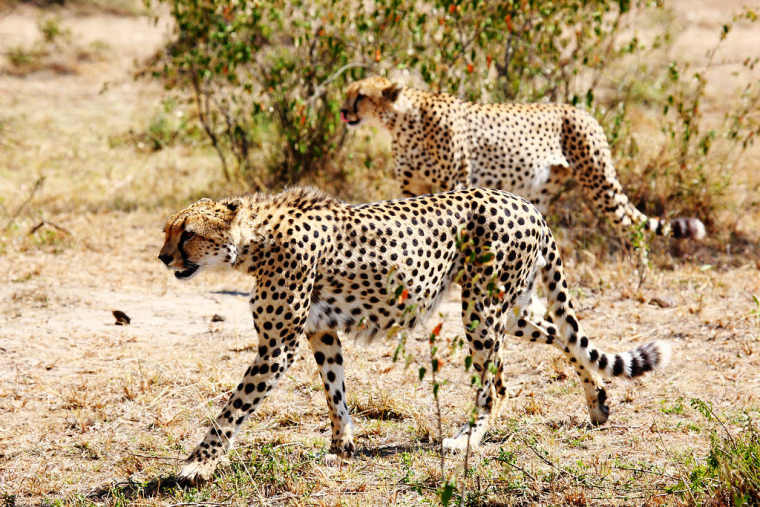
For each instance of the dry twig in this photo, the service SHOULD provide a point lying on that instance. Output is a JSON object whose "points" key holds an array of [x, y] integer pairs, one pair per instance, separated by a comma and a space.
{"points": [[37, 186], [51, 224]]}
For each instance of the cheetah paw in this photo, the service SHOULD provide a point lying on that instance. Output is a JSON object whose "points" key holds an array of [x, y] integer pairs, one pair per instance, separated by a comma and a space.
{"points": [[195, 471], [455, 444], [343, 449]]}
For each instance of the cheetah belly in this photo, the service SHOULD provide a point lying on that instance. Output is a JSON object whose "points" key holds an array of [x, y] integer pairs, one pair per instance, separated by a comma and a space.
{"points": [[523, 168], [366, 315]]}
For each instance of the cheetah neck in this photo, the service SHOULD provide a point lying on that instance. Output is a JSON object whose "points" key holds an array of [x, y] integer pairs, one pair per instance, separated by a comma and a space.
{"points": [[267, 222], [403, 111]]}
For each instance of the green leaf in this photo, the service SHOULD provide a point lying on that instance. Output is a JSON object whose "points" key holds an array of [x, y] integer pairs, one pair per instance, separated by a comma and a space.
{"points": [[446, 493]]}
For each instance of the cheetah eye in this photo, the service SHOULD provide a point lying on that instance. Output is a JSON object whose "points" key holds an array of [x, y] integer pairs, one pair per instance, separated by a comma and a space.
{"points": [[186, 235]]}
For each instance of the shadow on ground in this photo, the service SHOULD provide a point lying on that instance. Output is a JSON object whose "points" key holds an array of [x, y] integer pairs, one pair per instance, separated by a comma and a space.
{"points": [[130, 489]]}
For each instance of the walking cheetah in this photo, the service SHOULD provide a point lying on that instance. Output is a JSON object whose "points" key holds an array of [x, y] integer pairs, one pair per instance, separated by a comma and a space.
{"points": [[321, 266], [441, 142]]}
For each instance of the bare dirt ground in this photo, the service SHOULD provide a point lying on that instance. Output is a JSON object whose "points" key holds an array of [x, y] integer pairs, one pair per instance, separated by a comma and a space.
{"points": [[87, 406]]}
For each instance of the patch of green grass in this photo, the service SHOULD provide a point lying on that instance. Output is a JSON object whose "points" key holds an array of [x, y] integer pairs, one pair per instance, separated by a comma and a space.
{"points": [[51, 29], [20, 57], [675, 408], [730, 472]]}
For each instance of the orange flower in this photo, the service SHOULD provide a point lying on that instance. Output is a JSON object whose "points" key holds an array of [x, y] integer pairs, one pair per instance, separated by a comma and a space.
{"points": [[489, 59], [470, 68], [508, 21], [437, 329], [403, 296], [452, 8], [377, 55]]}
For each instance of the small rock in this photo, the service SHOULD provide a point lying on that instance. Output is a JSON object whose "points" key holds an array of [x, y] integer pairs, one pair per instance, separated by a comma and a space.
{"points": [[122, 319], [217, 318], [662, 302]]}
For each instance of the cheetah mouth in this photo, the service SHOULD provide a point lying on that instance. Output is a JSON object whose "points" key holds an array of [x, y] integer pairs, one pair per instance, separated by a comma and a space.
{"points": [[344, 118], [187, 273]]}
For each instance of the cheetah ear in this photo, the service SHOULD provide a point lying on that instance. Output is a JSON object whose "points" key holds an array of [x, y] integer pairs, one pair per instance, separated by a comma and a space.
{"points": [[391, 92], [232, 205]]}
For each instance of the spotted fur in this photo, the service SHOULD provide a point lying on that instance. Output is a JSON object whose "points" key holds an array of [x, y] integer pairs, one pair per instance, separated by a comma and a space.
{"points": [[441, 142], [322, 266]]}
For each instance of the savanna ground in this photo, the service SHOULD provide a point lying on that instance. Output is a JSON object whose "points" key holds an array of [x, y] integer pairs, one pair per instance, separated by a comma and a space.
{"points": [[95, 412]]}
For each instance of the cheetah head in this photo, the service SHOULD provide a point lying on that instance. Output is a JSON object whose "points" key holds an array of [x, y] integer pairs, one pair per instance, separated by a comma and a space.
{"points": [[367, 99], [199, 236]]}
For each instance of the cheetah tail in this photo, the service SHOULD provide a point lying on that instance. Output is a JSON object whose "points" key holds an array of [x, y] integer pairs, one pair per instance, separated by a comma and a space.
{"points": [[682, 227], [633, 363]]}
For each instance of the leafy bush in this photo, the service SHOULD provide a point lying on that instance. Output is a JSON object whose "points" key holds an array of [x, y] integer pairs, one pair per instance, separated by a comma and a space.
{"points": [[274, 71], [730, 473], [283, 64]]}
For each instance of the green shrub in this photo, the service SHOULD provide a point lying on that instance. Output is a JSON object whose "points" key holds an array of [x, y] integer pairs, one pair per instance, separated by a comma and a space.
{"points": [[289, 61]]}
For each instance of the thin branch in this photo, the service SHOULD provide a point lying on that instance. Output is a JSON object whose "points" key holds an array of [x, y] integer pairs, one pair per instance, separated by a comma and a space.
{"points": [[436, 394], [35, 189], [321, 88], [51, 224], [169, 458], [198, 503], [652, 472], [204, 118]]}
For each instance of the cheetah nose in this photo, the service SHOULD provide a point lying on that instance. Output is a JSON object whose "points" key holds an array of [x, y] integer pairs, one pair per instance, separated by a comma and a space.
{"points": [[165, 258]]}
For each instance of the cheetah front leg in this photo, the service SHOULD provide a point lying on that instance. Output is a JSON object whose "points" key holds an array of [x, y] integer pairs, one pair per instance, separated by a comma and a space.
{"points": [[411, 183], [258, 381], [328, 354]]}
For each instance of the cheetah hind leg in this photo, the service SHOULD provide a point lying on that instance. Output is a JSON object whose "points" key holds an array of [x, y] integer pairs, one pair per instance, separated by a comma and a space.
{"points": [[593, 388], [487, 408], [484, 344]]}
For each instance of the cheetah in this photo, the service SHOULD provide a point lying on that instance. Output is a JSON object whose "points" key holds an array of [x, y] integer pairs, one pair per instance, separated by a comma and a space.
{"points": [[441, 142], [321, 266]]}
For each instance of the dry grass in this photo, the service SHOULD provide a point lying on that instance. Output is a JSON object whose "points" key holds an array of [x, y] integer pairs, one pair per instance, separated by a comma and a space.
{"points": [[94, 412]]}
